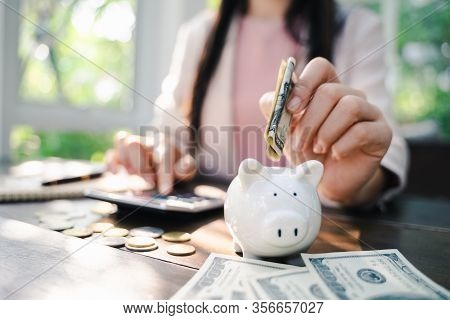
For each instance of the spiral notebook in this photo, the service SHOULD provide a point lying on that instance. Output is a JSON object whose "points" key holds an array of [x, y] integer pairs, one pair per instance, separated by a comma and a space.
{"points": [[24, 182]]}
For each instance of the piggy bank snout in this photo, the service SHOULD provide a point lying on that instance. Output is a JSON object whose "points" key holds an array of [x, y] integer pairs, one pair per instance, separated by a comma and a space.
{"points": [[284, 228]]}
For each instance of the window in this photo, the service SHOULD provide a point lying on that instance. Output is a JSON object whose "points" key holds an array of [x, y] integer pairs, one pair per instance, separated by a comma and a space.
{"points": [[420, 62], [49, 92], [75, 71], [93, 36]]}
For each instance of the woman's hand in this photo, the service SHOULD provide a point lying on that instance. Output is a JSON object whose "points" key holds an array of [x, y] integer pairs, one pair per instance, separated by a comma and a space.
{"points": [[336, 125], [160, 165]]}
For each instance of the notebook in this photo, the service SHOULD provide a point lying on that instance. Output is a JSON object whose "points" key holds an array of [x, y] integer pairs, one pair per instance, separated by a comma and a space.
{"points": [[24, 182]]}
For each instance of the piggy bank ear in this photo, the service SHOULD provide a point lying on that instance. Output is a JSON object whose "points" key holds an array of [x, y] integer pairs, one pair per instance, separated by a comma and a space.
{"points": [[250, 170], [311, 170]]}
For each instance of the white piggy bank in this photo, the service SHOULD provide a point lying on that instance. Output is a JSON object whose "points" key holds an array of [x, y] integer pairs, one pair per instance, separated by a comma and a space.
{"points": [[272, 212]]}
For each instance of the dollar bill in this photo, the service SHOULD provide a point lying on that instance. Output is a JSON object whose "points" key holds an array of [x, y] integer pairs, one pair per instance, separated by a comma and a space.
{"points": [[289, 285], [278, 125], [380, 274], [225, 277]]}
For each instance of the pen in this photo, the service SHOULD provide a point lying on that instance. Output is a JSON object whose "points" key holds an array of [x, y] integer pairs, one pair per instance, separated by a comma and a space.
{"points": [[85, 177]]}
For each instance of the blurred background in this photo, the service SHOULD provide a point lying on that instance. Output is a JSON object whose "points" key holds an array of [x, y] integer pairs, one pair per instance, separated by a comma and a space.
{"points": [[54, 102]]}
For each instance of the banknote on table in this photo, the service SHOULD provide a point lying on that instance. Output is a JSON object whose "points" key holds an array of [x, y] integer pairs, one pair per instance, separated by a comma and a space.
{"points": [[278, 125], [225, 277], [378, 274], [289, 285]]}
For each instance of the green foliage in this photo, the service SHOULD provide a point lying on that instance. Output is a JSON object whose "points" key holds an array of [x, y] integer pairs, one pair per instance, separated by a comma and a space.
{"points": [[28, 144], [72, 69], [53, 73], [419, 94]]}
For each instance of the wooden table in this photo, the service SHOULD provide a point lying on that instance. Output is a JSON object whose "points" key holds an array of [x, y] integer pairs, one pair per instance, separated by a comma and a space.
{"points": [[40, 264]]}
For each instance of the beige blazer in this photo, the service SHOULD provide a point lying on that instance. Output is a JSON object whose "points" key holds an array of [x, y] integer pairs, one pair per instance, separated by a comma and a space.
{"points": [[357, 59]]}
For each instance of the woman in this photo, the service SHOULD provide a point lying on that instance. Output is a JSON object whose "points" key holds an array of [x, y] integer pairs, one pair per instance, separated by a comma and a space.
{"points": [[223, 62]]}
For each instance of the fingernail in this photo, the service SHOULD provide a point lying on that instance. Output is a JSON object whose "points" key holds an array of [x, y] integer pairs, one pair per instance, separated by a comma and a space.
{"points": [[149, 179], [318, 148], [294, 103], [165, 188]]}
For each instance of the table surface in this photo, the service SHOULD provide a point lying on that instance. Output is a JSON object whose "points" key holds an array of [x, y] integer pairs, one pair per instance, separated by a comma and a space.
{"points": [[36, 263]]}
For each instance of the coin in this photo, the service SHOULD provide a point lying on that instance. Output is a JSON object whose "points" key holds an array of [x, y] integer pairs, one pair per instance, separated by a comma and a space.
{"points": [[116, 232], [112, 241], [176, 236], [78, 232], [61, 206], [104, 208], [49, 218], [148, 248], [180, 250], [41, 213], [140, 242], [77, 214], [57, 225], [101, 226], [148, 231]]}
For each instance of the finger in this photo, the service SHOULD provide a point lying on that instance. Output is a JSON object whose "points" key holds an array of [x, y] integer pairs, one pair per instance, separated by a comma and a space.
{"points": [[164, 157], [112, 161], [266, 104], [139, 158], [119, 143], [325, 99], [315, 73], [370, 137], [185, 168], [348, 111]]}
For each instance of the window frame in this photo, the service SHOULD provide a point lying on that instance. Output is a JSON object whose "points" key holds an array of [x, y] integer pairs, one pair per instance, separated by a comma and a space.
{"points": [[152, 61]]}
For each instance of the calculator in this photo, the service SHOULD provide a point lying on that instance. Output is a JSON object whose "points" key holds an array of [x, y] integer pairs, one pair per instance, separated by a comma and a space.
{"points": [[193, 197]]}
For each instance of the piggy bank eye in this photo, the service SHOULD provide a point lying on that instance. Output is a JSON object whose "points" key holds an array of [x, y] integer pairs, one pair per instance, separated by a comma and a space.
{"points": [[295, 194], [274, 194]]}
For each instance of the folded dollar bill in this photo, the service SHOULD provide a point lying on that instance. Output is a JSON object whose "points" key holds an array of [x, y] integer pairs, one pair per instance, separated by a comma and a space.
{"points": [[280, 119]]}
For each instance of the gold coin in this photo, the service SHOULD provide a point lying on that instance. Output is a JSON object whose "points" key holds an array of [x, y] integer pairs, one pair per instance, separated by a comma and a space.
{"points": [[101, 226], [116, 232], [78, 232], [148, 248], [140, 242], [180, 250], [176, 236], [104, 208]]}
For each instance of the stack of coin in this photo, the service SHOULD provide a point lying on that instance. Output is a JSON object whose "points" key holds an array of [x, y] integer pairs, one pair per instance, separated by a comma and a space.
{"points": [[141, 244]]}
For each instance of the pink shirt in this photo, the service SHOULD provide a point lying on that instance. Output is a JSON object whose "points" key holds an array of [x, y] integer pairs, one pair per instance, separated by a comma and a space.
{"points": [[261, 45]]}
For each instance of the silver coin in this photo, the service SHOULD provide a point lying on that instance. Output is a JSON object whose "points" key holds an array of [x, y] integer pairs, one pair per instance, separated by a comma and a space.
{"points": [[57, 225], [152, 232], [49, 218], [77, 214], [112, 241], [60, 206]]}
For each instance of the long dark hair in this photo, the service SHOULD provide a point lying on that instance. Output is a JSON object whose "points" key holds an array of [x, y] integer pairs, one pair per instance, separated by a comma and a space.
{"points": [[318, 15]]}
